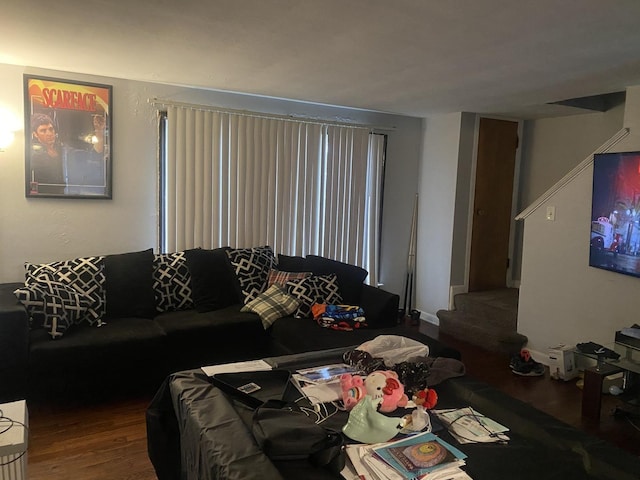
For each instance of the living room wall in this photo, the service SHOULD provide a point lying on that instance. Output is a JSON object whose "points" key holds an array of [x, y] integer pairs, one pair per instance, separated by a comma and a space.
{"points": [[443, 210], [48, 229], [551, 147], [562, 299]]}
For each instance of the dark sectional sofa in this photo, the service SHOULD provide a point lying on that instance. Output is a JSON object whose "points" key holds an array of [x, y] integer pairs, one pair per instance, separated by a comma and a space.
{"points": [[142, 316]]}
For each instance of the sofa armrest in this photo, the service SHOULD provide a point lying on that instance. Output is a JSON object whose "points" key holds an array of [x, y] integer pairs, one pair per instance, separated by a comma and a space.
{"points": [[14, 343], [380, 307]]}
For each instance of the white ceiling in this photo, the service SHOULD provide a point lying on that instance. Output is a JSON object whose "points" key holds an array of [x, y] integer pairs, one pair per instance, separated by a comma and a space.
{"points": [[412, 57]]}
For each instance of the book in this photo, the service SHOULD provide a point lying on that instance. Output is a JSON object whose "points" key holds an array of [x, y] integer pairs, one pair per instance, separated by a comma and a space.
{"points": [[420, 455], [363, 464]]}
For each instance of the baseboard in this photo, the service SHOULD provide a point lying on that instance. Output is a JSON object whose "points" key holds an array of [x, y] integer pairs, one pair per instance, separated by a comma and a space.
{"points": [[453, 291], [430, 318]]}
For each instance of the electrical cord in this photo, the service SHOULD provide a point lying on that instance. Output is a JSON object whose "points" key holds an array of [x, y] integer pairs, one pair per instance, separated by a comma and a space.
{"points": [[7, 424], [319, 411]]}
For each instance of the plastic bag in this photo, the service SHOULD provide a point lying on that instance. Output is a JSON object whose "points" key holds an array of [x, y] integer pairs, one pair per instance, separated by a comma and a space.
{"points": [[395, 349]]}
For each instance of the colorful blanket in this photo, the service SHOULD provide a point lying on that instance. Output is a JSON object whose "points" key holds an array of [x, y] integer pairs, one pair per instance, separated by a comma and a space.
{"points": [[339, 317]]}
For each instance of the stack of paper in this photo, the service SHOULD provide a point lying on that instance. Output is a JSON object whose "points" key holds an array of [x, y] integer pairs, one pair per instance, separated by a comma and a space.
{"points": [[421, 457], [469, 426]]}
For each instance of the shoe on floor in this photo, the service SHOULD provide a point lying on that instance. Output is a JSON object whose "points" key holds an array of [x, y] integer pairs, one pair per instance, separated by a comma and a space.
{"points": [[525, 366]]}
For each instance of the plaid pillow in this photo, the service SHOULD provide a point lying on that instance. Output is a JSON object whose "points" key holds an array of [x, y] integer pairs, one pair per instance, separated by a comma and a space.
{"points": [[272, 304], [281, 278]]}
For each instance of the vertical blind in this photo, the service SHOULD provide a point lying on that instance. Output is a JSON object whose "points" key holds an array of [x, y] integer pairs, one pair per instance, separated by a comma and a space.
{"points": [[244, 180]]}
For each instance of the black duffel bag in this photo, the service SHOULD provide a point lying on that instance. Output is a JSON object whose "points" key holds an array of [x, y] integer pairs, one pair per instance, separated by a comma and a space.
{"points": [[283, 432]]}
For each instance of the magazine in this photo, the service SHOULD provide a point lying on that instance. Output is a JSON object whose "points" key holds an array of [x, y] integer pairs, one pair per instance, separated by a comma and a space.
{"points": [[420, 455]]}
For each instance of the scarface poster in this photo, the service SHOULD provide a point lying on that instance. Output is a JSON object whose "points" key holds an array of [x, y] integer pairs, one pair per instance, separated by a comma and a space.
{"points": [[68, 138]]}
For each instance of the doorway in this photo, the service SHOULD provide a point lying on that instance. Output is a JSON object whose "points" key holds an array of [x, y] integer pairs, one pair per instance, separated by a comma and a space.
{"points": [[492, 205]]}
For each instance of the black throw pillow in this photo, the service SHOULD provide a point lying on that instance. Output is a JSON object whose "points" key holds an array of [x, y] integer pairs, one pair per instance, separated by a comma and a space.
{"points": [[350, 277], [213, 282], [129, 285], [288, 263]]}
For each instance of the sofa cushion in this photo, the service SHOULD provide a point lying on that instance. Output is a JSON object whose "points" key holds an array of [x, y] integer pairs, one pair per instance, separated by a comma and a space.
{"points": [[212, 279], [214, 325], [350, 277], [172, 282], [272, 304], [297, 336], [84, 274], [251, 267], [56, 305], [112, 346], [224, 335], [129, 285], [313, 289]]}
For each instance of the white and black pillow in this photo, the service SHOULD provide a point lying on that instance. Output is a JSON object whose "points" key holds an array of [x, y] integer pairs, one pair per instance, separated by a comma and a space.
{"points": [[251, 267], [32, 298], [314, 289], [57, 305], [84, 274], [172, 282]]}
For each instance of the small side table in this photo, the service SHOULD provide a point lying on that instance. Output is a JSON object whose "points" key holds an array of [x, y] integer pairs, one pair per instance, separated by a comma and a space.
{"points": [[592, 388], [13, 441]]}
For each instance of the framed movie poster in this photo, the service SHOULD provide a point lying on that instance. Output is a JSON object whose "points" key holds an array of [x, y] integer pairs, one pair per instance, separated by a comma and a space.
{"points": [[67, 138]]}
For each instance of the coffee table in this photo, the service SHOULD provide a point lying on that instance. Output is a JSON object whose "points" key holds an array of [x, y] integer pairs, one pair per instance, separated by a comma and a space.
{"points": [[195, 431]]}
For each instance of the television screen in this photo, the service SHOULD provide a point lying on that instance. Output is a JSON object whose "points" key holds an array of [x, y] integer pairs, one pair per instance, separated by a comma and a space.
{"points": [[615, 213]]}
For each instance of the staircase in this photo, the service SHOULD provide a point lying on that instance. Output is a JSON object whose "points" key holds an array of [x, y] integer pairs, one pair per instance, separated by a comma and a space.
{"points": [[488, 319]]}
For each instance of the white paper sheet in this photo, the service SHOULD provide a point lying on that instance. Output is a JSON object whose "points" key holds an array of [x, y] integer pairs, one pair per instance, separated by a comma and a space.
{"points": [[237, 367]]}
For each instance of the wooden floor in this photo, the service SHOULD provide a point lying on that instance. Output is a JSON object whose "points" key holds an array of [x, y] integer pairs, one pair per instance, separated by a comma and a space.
{"points": [[560, 399], [108, 440]]}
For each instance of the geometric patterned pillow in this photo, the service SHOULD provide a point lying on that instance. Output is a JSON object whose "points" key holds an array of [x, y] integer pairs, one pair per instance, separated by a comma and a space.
{"points": [[172, 282], [85, 275], [272, 304], [60, 305], [252, 266], [314, 289], [33, 300]]}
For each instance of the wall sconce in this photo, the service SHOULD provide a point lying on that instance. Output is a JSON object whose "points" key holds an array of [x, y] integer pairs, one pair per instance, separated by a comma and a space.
{"points": [[9, 124]]}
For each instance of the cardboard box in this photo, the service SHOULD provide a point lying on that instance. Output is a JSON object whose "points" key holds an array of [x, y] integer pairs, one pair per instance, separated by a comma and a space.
{"points": [[562, 365]]}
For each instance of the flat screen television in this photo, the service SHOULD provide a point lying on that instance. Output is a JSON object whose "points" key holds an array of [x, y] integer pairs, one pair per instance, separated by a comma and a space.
{"points": [[615, 213]]}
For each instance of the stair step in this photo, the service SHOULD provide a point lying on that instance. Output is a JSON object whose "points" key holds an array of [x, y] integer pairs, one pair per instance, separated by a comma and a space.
{"points": [[458, 325], [488, 319], [499, 306]]}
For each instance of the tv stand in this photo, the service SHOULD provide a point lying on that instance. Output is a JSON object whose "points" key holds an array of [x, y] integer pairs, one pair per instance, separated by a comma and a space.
{"points": [[628, 363]]}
